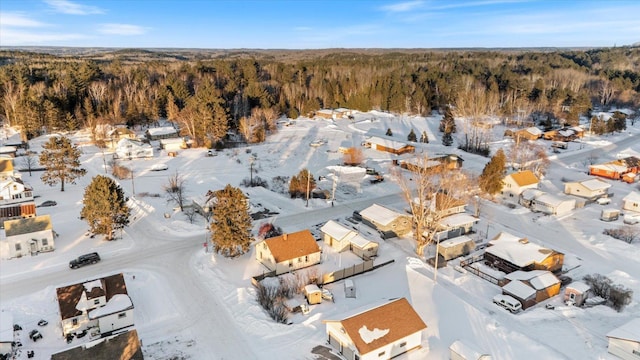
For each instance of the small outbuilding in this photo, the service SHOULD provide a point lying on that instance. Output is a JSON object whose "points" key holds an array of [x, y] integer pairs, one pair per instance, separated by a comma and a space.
{"points": [[552, 205], [459, 350], [336, 235], [364, 248], [349, 289], [588, 189], [624, 342], [313, 294], [631, 202], [576, 293], [387, 221], [458, 246], [609, 214]]}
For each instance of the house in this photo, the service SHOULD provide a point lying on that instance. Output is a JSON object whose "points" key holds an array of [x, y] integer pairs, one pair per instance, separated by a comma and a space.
{"points": [[530, 133], [632, 164], [624, 342], [552, 205], [388, 222], [173, 144], [6, 333], [6, 169], [576, 293], [390, 146], [459, 246], [164, 132], [13, 191], [631, 202], [442, 205], [123, 346], [509, 253], [439, 163], [528, 195], [131, 148], [120, 133], [17, 211], [325, 114], [364, 248], [382, 332], [337, 236], [589, 189], [608, 170], [288, 252], [531, 287], [8, 151], [514, 184], [455, 225], [102, 306], [29, 236]]}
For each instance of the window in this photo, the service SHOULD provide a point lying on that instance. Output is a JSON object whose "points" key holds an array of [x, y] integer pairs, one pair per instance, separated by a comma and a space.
{"points": [[122, 315], [381, 354], [306, 258], [96, 301], [290, 263], [74, 321], [45, 242], [18, 247], [403, 344]]}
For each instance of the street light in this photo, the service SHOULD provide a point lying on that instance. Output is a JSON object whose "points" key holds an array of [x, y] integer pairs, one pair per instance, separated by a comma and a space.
{"points": [[252, 159]]}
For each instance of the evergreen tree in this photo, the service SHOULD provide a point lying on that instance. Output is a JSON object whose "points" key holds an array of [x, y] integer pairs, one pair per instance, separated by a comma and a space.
{"points": [[412, 136], [61, 160], [389, 132], [447, 139], [105, 206], [231, 223], [300, 183], [448, 123], [491, 178], [424, 138]]}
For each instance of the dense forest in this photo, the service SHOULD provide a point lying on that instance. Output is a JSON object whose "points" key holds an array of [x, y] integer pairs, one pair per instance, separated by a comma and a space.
{"points": [[210, 94]]}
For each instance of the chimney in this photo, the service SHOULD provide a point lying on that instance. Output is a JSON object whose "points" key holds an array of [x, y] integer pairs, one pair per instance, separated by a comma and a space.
{"points": [[284, 237]]}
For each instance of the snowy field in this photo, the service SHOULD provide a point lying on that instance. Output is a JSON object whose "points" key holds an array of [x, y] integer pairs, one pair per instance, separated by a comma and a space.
{"points": [[191, 304]]}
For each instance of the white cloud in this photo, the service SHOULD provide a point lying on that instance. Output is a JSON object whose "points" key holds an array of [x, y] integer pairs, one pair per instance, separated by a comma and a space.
{"points": [[122, 29], [71, 8], [18, 20], [12, 37], [403, 6]]}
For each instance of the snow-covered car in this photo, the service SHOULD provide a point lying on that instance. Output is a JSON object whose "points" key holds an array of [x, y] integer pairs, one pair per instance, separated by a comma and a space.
{"points": [[159, 167], [508, 302], [35, 335], [631, 219], [603, 201]]}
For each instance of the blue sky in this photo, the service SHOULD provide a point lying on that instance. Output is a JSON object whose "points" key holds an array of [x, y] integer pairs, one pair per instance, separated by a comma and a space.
{"points": [[313, 24]]}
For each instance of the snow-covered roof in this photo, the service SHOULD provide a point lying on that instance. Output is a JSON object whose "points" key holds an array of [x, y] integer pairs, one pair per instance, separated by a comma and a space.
{"points": [[551, 200], [370, 335], [391, 144], [465, 350], [517, 251], [89, 285], [519, 289], [566, 133], [539, 279], [595, 184], [165, 130], [127, 142], [633, 196], [579, 286], [610, 167], [629, 331], [325, 111], [380, 214], [6, 327], [27, 226], [530, 194], [457, 220], [337, 230], [177, 140], [360, 241], [534, 130], [455, 241], [117, 303], [311, 288]]}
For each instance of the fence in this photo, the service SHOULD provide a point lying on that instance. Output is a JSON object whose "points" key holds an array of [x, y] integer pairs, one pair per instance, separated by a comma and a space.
{"points": [[466, 264]]}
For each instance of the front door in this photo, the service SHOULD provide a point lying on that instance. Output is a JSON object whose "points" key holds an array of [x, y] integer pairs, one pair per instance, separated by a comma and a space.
{"points": [[34, 247]]}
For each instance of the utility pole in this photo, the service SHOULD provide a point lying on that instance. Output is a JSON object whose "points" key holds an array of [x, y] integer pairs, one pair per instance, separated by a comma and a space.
{"points": [[133, 187], [308, 185], [335, 185], [251, 160]]}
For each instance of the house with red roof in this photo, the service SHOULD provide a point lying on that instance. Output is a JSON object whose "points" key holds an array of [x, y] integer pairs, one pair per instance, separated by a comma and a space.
{"points": [[288, 252]]}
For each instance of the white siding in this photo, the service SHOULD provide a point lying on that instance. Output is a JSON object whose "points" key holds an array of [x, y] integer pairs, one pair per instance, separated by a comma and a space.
{"points": [[394, 349], [624, 349], [115, 321]]}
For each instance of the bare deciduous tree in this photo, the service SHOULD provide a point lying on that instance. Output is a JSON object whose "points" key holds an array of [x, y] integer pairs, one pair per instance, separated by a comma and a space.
{"points": [[527, 155], [175, 188], [30, 160]]}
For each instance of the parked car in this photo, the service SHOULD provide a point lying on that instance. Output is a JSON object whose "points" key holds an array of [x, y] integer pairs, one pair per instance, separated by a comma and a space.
{"points": [[35, 335], [159, 167], [43, 322], [327, 295], [631, 219], [603, 201], [83, 260], [48, 203], [507, 302]]}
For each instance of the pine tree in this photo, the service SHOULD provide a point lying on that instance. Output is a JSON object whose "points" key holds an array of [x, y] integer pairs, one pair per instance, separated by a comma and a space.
{"points": [[493, 173], [105, 206], [448, 123], [389, 132], [61, 160], [412, 136], [424, 138], [231, 223], [447, 139], [299, 184]]}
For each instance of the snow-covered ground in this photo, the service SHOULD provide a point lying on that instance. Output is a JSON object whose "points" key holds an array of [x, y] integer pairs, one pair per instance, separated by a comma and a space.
{"points": [[196, 305]]}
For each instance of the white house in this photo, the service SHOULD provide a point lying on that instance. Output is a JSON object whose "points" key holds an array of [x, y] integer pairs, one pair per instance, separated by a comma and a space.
{"points": [[552, 205], [382, 332], [101, 306], [336, 235], [388, 222], [131, 148], [589, 189], [29, 236], [631, 202], [164, 132], [14, 191], [514, 184], [6, 333], [624, 342], [288, 252], [173, 144]]}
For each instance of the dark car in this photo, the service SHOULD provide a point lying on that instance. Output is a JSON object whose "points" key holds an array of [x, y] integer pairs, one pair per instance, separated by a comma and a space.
{"points": [[35, 335], [83, 260], [48, 203]]}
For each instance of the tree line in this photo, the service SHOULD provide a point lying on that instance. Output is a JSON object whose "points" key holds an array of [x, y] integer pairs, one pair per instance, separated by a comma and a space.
{"points": [[210, 97]]}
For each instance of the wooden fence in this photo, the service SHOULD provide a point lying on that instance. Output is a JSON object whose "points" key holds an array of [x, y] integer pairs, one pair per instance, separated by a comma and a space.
{"points": [[466, 264]]}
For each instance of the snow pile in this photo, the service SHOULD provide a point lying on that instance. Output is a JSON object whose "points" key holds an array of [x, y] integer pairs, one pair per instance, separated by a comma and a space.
{"points": [[369, 336]]}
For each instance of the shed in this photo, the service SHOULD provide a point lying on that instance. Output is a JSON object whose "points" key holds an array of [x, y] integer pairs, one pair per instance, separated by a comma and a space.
{"points": [[313, 294], [631, 202], [458, 246], [624, 342], [609, 214], [349, 288], [459, 350], [336, 235], [576, 293], [362, 247]]}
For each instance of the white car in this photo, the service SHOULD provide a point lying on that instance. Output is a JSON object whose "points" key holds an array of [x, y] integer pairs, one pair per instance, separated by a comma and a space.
{"points": [[508, 302], [159, 167], [631, 219], [603, 201]]}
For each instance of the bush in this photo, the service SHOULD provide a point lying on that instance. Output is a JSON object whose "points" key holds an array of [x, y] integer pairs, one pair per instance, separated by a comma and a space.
{"points": [[257, 181], [617, 296], [625, 233], [121, 172], [280, 184]]}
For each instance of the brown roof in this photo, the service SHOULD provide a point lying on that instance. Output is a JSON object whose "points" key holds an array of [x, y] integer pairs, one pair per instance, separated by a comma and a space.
{"points": [[6, 165], [396, 316], [69, 296], [445, 202], [124, 346], [290, 246], [523, 178]]}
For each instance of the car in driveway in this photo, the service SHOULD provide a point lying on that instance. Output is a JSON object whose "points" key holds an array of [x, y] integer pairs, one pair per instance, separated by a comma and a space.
{"points": [[48, 203], [508, 302], [159, 167], [83, 260], [35, 335]]}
